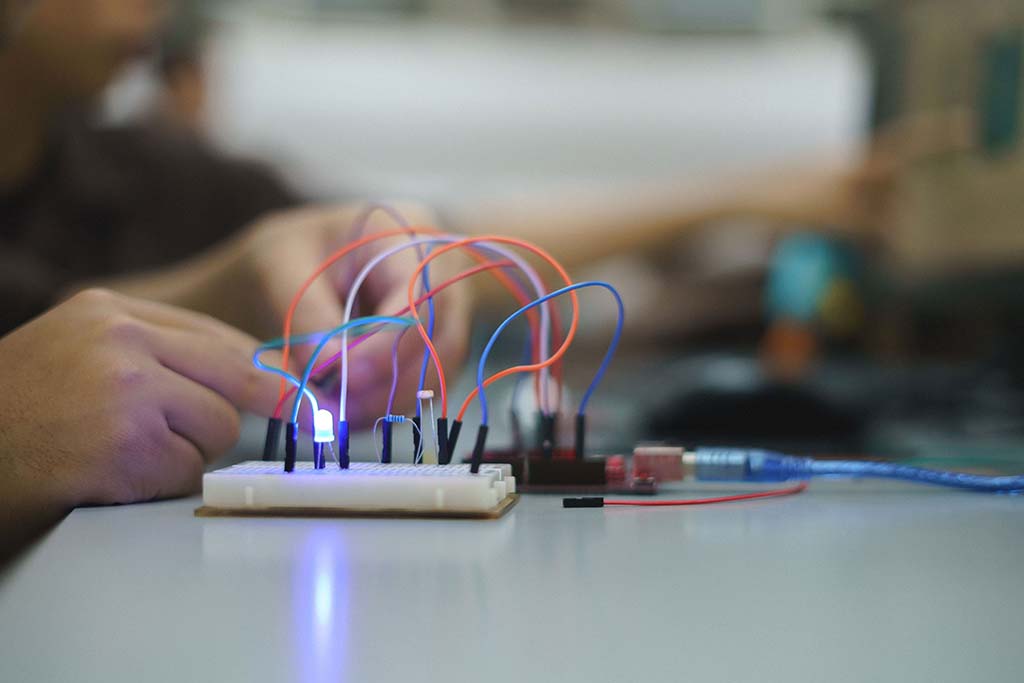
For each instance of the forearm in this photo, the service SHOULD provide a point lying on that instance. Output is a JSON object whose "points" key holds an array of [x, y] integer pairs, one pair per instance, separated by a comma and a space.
{"points": [[585, 228], [213, 282], [249, 280]]}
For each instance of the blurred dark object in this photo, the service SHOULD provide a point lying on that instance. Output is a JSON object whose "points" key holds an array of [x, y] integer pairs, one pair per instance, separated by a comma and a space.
{"points": [[111, 201], [767, 413], [840, 406]]}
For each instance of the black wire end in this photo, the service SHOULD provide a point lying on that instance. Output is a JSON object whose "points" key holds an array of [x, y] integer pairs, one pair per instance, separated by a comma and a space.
{"points": [[587, 502], [318, 456], [581, 435], [478, 449], [343, 460], [516, 428], [387, 428], [444, 455], [291, 446], [453, 437], [539, 434], [418, 424], [547, 435], [273, 440]]}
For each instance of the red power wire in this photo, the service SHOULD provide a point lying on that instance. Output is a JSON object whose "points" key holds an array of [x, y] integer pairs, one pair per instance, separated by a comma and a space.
{"points": [[774, 493]]}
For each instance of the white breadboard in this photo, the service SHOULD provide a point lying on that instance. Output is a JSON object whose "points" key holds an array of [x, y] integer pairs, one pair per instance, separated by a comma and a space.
{"points": [[257, 486]]}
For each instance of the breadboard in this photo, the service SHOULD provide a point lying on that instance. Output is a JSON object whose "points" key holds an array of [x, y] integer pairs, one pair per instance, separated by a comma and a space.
{"points": [[257, 488]]}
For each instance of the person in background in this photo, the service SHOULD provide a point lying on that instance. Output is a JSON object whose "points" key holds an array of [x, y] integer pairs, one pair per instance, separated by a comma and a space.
{"points": [[149, 209], [136, 267]]}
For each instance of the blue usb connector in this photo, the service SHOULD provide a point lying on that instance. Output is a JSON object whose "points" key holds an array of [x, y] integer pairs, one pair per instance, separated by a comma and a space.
{"points": [[740, 464]]}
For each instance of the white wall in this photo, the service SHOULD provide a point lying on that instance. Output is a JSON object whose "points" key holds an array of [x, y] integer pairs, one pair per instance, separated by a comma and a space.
{"points": [[448, 113]]}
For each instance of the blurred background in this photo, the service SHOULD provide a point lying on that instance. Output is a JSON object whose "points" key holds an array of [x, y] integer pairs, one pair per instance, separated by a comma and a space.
{"points": [[451, 101], [836, 185]]}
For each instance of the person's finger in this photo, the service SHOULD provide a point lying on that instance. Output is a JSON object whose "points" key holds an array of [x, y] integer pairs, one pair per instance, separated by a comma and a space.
{"points": [[386, 291], [169, 316], [321, 306], [199, 414], [231, 350], [163, 463], [219, 366], [368, 399], [179, 468], [370, 364], [372, 369], [372, 403], [371, 374]]}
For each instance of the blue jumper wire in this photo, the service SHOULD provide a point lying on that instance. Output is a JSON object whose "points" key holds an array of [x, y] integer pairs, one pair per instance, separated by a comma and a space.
{"points": [[598, 376]]}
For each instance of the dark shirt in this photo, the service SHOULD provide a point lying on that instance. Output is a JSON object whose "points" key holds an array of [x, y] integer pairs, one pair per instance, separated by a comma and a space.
{"points": [[110, 201]]}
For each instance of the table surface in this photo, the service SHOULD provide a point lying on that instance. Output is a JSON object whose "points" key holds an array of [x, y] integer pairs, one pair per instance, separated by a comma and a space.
{"points": [[847, 582]]}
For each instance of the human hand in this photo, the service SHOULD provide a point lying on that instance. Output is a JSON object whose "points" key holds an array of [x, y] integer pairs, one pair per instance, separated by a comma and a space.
{"points": [[109, 399], [249, 282]]}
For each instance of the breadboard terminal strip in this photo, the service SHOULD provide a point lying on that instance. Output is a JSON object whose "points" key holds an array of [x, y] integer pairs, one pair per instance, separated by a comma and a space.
{"points": [[258, 486]]}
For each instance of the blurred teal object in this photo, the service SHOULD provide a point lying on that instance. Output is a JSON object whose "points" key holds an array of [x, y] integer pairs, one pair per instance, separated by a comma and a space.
{"points": [[817, 280], [1000, 96]]}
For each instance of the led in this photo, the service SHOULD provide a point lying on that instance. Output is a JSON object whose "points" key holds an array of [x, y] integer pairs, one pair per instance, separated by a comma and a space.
{"points": [[323, 426]]}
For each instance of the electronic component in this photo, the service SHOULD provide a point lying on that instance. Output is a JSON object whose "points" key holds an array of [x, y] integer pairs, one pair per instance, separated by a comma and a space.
{"points": [[257, 487], [417, 488], [273, 439], [492, 253], [386, 424], [600, 502], [564, 473], [323, 426], [323, 433], [662, 463], [291, 445], [425, 399]]}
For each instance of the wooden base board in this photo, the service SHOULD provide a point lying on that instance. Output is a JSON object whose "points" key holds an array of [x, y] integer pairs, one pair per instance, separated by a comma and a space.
{"points": [[496, 512]]}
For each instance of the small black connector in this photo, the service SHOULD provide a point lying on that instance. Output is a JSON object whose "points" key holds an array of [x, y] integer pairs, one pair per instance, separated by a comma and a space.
{"points": [[291, 446], [318, 456], [453, 437], [417, 425], [478, 449], [385, 448], [581, 435], [273, 440], [343, 459], [516, 429], [587, 502], [444, 455], [539, 432], [547, 436]]}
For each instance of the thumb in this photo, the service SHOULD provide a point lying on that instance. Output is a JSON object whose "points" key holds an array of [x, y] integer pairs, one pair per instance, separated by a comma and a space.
{"points": [[320, 310]]}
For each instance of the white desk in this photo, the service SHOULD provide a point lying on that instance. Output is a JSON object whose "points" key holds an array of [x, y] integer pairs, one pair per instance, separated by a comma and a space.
{"points": [[848, 582]]}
